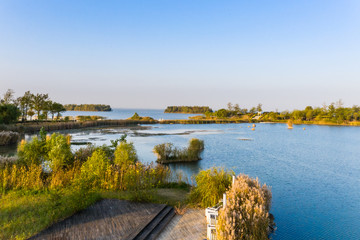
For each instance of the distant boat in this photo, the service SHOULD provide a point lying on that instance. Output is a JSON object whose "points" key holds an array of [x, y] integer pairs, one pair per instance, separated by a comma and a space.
{"points": [[290, 124]]}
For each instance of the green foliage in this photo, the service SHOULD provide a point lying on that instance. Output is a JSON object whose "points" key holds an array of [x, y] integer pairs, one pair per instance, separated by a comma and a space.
{"points": [[166, 152], [88, 107], [93, 170], [114, 143], [210, 186], [39, 103], [82, 154], [32, 152], [135, 117], [54, 150], [23, 214], [125, 154], [222, 113], [58, 152], [9, 113], [89, 118], [246, 215], [187, 109]]}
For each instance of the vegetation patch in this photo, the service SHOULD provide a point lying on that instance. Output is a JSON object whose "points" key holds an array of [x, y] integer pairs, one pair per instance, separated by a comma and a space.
{"points": [[210, 186], [8, 138], [246, 214], [88, 107], [167, 153], [187, 109]]}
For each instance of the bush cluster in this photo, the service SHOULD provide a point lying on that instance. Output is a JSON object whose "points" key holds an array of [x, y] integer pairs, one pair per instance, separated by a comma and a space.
{"points": [[46, 162], [210, 186], [167, 153]]}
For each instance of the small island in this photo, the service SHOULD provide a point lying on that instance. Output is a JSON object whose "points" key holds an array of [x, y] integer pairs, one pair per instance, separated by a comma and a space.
{"points": [[167, 153], [88, 107], [188, 109]]}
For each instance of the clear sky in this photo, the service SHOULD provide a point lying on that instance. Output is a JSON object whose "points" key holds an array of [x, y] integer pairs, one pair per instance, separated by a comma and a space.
{"points": [[150, 54]]}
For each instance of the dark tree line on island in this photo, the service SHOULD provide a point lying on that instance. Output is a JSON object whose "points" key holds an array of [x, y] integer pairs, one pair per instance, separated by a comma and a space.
{"points": [[335, 113], [187, 109], [27, 106], [88, 107]]}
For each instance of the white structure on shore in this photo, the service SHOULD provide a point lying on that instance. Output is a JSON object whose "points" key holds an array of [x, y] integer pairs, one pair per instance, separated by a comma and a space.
{"points": [[212, 214]]}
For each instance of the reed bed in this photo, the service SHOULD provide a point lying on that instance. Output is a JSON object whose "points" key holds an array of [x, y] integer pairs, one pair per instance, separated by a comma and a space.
{"points": [[34, 127]]}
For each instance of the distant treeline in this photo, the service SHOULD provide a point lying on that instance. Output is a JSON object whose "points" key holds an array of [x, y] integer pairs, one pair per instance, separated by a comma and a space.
{"points": [[335, 113], [88, 107], [187, 109]]}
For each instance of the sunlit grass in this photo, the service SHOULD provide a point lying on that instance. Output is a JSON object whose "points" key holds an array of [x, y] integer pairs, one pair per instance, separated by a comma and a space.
{"points": [[23, 214]]}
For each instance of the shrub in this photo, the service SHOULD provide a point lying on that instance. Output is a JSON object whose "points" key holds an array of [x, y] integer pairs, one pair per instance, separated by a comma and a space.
{"points": [[135, 117], [82, 154], [93, 170], [58, 151], [210, 186], [166, 153], [196, 146], [9, 113], [246, 215], [125, 154], [31, 152]]}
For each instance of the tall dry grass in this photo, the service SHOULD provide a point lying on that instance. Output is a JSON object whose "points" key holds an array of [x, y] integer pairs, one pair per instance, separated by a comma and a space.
{"points": [[8, 138], [246, 215]]}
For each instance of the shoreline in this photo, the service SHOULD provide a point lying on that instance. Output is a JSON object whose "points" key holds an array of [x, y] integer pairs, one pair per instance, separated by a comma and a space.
{"points": [[33, 127]]}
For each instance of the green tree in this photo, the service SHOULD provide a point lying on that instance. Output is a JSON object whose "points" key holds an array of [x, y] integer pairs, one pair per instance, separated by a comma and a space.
{"points": [[39, 103], [56, 108], [8, 97], [9, 113], [259, 107], [222, 113], [25, 104], [125, 154]]}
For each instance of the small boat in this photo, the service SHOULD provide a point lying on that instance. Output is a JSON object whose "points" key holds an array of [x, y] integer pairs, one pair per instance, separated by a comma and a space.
{"points": [[290, 124]]}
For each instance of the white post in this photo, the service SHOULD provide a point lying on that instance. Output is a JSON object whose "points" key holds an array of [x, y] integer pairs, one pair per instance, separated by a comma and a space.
{"points": [[224, 200], [233, 178]]}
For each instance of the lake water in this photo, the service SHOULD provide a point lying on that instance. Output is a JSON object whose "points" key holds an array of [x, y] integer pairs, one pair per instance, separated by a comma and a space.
{"points": [[119, 113], [314, 173]]}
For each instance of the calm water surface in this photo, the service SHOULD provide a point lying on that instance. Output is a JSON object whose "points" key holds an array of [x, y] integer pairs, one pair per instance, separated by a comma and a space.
{"points": [[119, 113], [314, 173]]}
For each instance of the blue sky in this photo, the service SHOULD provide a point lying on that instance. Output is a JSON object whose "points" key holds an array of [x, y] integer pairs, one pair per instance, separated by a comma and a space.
{"points": [[150, 54]]}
